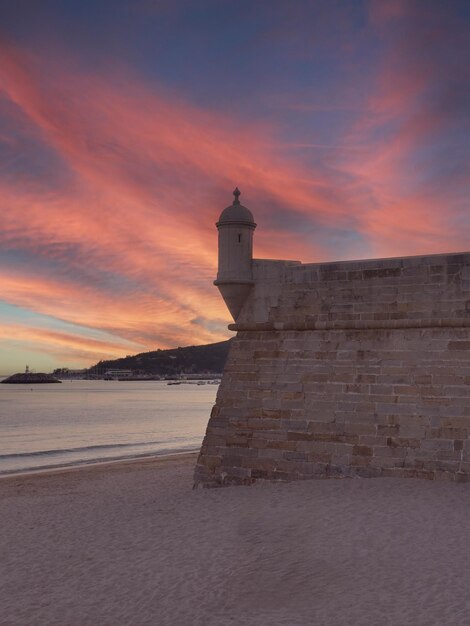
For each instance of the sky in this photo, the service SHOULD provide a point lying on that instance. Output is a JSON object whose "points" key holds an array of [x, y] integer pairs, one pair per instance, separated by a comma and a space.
{"points": [[126, 124]]}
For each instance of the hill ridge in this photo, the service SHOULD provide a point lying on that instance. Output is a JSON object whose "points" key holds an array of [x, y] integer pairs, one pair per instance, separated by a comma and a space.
{"points": [[205, 359]]}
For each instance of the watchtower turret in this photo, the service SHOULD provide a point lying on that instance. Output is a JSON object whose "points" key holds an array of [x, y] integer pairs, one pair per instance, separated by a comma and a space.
{"points": [[234, 277]]}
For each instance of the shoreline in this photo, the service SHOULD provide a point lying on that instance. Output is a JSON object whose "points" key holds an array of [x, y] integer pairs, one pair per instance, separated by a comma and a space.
{"points": [[145, 462]]}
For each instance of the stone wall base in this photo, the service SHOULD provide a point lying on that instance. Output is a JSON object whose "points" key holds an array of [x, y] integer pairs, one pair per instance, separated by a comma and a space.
{"points": [[341, 403]]}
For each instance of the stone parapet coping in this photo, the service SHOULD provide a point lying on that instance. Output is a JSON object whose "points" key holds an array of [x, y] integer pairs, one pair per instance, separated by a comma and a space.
{"points": [[355, 325]]}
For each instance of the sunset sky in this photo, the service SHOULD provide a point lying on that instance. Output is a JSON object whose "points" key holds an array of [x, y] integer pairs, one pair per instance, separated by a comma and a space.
{"points": [[126, 124]]}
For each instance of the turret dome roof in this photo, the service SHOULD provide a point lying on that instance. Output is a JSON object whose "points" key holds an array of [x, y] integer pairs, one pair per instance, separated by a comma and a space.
{"points": [[236, 213]]}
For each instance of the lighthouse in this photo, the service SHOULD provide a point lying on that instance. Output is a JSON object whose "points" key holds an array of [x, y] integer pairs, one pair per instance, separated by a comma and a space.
{"points": [[235, 277]]}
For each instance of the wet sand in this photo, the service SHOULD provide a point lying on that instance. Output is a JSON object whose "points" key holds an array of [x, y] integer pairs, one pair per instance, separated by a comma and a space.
{"points": [[131, 543]]}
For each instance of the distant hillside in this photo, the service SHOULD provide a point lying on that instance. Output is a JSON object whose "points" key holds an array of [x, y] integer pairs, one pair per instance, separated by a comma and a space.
{"points": [[189, 360]]}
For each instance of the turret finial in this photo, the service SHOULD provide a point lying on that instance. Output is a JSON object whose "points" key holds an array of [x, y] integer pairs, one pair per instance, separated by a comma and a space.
{"points": [[236, 193]]}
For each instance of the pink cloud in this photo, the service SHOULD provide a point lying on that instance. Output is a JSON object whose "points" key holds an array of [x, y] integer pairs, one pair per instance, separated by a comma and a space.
{"points": [[150, 174], [385, 11]]}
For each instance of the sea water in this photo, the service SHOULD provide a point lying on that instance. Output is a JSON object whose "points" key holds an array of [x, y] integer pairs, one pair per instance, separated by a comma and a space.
{"points": [[86, 421]]}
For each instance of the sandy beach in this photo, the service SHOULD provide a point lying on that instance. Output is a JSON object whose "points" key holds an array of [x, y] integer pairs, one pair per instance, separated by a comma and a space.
{"points": [[133, 544]]}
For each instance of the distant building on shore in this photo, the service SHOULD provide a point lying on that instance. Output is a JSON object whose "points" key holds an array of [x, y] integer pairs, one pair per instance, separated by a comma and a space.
{"points": [[117, 374], [65, 372]]}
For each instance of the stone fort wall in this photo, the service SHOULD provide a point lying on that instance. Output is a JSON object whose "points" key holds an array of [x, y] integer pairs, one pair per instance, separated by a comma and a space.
{"points": [[357, 368]]}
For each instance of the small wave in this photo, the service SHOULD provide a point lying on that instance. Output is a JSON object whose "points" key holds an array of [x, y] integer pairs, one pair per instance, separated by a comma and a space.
{"points": [[98, 460], [85, 449]]}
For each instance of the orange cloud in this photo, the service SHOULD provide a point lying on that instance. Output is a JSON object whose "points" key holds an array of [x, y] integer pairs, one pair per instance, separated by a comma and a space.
{"points": [[71, 346]]}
